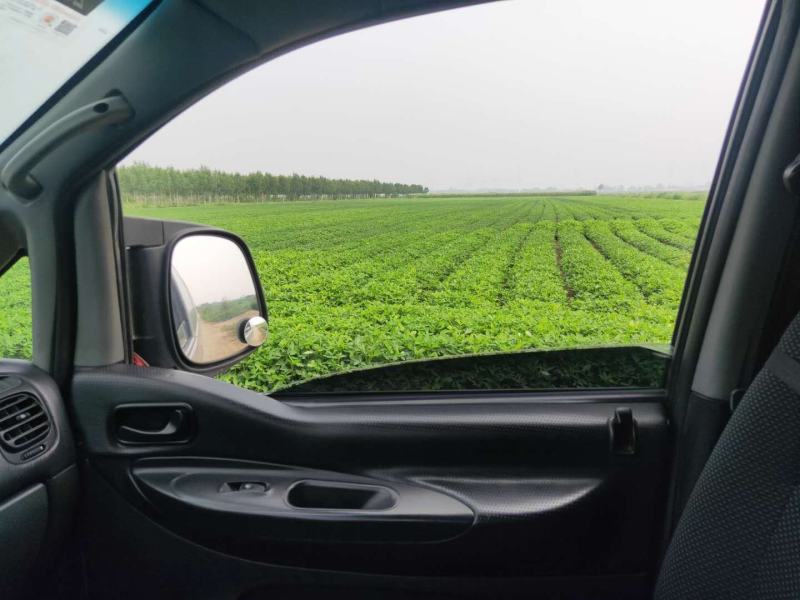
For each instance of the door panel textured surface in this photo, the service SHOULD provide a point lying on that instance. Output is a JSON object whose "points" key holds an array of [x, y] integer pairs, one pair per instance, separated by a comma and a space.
{"points": [[546, 498]]}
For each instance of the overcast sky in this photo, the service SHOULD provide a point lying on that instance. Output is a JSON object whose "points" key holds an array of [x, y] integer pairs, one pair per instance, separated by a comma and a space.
{"points": [[516, 94]]}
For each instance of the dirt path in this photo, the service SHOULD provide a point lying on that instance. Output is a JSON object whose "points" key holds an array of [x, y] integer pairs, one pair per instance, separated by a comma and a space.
{"points": [[220, 340]]}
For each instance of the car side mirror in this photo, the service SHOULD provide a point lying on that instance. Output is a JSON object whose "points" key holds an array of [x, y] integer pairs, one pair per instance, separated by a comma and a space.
{"points": [[197, 303], [214, 299]]}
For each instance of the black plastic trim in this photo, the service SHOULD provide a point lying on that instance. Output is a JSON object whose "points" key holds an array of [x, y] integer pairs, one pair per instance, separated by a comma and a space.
{"points": [[148, 259], [191, 495]]}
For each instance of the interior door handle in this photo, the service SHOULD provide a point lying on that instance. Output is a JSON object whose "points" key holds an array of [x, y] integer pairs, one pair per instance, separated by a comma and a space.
{"points": [[170, 428], [154, 424]]}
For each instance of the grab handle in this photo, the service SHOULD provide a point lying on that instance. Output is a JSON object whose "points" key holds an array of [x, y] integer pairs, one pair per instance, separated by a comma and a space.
{"points": [[16, 175]]}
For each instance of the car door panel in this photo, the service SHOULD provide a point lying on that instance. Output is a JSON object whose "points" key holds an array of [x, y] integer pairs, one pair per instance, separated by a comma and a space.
{"points": [[158, 563], [492, 485]]}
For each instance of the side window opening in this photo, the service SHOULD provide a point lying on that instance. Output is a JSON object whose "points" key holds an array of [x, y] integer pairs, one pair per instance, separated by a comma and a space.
{"points": [[16, 336], [516, 218]]}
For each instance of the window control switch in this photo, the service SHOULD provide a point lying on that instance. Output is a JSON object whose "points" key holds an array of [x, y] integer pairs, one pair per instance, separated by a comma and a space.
{"points": [[258, 487]]}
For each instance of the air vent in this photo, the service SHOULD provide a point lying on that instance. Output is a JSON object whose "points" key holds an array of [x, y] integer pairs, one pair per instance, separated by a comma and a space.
{"points": [[23, 422]]}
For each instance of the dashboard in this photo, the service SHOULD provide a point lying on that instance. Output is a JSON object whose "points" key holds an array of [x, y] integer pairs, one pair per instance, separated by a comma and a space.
{"points": [[38, 474]]}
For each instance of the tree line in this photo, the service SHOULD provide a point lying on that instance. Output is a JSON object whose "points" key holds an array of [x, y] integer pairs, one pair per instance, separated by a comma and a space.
{"points": [[142, 183]]}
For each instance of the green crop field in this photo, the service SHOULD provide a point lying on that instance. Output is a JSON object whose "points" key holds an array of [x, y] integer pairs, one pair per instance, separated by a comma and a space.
{"points": [[354, 283], [15, 312]]}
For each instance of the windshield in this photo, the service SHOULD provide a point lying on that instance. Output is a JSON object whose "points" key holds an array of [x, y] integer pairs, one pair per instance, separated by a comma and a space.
{"points": [[45, 42]]}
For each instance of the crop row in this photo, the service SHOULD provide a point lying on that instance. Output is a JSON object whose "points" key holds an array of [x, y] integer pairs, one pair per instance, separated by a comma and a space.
{"points": [[592, 280], [659, 283], [632, 233], [594, 261]]}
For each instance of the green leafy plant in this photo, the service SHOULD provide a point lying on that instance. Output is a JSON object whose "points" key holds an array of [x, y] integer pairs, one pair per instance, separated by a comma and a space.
{"points": [[359, 283]]}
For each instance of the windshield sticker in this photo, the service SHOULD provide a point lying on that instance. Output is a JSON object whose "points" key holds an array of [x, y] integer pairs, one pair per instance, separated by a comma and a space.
{"points": [[56, 38], [82, 6]]}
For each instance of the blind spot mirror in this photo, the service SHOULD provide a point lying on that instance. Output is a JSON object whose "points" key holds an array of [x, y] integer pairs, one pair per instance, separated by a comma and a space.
{"points": [[254, 331], [215, 299]]}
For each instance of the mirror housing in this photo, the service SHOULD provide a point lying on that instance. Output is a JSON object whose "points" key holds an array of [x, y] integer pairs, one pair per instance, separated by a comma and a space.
{"points": [[200, 314]]}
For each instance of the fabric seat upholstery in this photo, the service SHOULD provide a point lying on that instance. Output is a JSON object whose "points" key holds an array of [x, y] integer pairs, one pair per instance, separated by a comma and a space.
{"points": [[739, 536]]}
